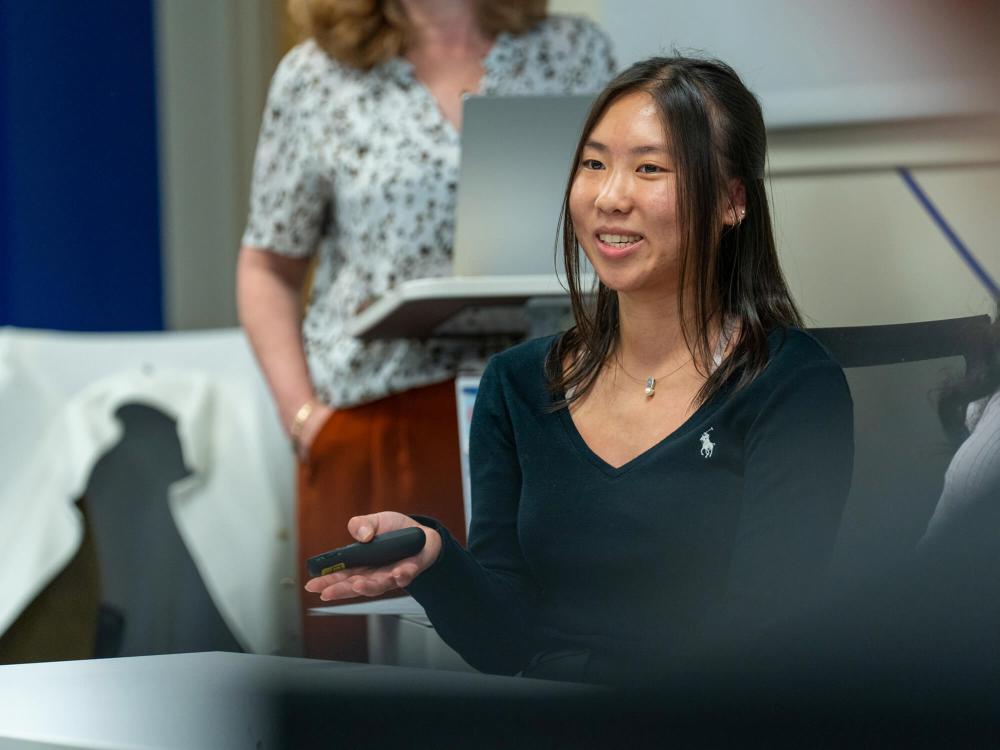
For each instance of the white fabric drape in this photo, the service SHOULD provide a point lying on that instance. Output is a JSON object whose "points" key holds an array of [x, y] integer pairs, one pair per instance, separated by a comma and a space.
{"points": [[234, 511]]}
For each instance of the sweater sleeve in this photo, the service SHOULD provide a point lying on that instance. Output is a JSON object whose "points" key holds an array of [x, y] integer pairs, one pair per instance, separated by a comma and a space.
{"points": [[482, 600], [799, 455]]}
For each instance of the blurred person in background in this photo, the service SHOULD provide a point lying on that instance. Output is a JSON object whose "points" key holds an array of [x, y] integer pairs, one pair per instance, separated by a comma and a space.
{"points": [[356, 166], [969, 506]]}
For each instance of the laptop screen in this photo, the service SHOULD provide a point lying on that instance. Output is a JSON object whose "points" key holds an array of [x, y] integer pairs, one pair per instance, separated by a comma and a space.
{"points": [[516, 154]]}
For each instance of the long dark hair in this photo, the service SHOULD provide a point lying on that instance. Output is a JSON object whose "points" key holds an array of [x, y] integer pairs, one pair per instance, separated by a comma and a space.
{"points": [[717, 135]]}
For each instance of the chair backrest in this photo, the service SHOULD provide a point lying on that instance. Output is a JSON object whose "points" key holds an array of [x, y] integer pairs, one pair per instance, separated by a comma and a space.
{"points": [[871, 346], [901, 449]]}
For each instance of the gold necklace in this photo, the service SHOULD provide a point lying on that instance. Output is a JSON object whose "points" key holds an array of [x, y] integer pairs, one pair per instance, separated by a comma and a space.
{"points": [[650, 382]]}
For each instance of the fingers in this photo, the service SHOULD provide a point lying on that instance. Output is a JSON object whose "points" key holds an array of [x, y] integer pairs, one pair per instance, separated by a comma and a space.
{"points": [[373, 584], [364, 528], [354, 582], [348, 584], [404, 572], [322, 583], [315, 585]]}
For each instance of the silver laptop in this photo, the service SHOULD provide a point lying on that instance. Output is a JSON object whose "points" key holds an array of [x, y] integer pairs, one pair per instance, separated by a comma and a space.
{"points": [[516, 154]]}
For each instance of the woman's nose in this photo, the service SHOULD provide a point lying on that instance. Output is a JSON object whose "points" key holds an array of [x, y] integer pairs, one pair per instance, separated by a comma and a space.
{"points": [[615, 195]]}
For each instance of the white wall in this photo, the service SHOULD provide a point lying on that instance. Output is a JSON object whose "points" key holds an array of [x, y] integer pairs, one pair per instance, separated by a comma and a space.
{"points": [[857, 246], [214, 62], [816, 61]]}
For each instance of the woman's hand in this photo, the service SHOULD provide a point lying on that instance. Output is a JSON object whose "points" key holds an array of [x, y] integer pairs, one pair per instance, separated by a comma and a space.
{"points": [[353, 582], [311, 428]]}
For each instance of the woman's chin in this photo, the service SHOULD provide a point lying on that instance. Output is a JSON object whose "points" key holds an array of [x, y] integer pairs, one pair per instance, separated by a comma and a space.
{"points": [[639, 288], [620, 283]]}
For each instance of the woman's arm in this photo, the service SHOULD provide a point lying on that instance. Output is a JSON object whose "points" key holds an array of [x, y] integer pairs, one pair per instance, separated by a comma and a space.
{"points": [[481, 600], [268, 297], [289, 196], [798, 461]]}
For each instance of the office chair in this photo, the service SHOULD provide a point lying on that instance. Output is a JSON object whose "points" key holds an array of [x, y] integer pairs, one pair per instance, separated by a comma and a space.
{"points": [[901, 449]]}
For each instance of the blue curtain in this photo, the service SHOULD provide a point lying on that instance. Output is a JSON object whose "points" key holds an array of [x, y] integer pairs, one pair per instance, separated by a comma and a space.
{"points": [[79, 185]]}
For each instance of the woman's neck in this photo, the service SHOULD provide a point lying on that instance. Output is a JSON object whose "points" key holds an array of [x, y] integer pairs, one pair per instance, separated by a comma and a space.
{"points": [[651, 336], [444, 26]]}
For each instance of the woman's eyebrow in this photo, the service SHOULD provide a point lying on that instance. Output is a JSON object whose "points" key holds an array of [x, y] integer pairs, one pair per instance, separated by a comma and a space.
{"points": [[659, 149], [645, 149]]}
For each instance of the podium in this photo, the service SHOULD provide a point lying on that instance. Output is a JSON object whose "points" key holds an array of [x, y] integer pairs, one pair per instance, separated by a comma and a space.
{"points": [[416, 308]]}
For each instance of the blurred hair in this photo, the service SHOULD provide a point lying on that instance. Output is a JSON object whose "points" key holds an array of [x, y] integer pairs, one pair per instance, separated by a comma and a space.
{"points": [[365, 33], [981, 380], [716, 130]]}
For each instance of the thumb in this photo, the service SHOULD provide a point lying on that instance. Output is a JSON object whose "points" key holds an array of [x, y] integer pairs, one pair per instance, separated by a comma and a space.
{"points": [[363, 528]]}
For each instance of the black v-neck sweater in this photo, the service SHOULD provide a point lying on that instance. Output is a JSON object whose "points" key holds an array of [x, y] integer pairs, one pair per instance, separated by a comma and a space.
{"points": [[727, 522]]}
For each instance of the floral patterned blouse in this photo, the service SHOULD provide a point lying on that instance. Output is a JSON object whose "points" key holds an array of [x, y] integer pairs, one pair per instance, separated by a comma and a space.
{"points": [[361, 168]]}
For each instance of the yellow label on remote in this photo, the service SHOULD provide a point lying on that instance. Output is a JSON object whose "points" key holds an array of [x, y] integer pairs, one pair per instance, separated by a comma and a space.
{"points": [[332, 569]]}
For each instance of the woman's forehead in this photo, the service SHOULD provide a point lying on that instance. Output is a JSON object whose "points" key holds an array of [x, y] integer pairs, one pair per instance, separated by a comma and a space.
{"points": [[630, 119]]}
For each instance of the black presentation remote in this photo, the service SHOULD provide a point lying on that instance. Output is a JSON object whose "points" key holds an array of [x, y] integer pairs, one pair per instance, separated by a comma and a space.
{"points": [[385, 548]]}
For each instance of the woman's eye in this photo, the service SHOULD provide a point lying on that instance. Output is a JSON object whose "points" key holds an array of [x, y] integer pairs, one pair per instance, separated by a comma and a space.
{"points": [[591, 164], [650, 169]]}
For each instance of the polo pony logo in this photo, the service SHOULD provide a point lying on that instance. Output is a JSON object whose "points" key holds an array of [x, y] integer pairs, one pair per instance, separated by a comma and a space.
{"points": [[707, 446]]}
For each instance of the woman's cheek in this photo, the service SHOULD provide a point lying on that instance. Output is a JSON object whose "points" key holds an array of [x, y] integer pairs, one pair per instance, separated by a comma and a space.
{"points": [[576, 204]]}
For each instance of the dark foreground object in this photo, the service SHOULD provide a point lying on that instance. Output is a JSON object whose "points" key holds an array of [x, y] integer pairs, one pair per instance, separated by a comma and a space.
{"points": [[224, 700], [911, 658]]}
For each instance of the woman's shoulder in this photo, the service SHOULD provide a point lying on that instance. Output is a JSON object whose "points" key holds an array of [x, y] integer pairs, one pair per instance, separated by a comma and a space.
{"points": [[801, 383], [799, 362], [570, 53], [526, 357], [557, 26], [793, 348], [516, 376], [572, 37], [303, 59], [307, 67], [311, 92]]}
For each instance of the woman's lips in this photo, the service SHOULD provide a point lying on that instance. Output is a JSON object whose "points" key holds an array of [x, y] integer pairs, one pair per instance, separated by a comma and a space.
{"points": [[618, 249]]}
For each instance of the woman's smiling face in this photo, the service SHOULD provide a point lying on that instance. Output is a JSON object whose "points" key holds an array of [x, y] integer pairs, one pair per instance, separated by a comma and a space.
{"points": [[623, 202]]}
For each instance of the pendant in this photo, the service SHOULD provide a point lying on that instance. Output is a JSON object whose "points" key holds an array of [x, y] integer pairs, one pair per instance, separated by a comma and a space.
{"points": [[650, 387]]}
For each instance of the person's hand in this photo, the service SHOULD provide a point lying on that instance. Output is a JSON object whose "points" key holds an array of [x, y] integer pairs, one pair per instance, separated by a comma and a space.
{"points": [[310, 429], [353, 582]]}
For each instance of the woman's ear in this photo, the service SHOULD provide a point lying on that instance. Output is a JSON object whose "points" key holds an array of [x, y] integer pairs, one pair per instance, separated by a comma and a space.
{"points": [[734, 207]]}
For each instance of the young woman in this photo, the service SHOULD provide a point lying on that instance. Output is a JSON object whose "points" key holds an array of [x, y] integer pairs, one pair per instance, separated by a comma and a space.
{"points": [[676, 463]]}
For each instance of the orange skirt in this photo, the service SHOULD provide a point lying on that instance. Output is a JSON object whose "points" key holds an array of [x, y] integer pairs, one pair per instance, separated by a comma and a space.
{"points": [[399, 453]]}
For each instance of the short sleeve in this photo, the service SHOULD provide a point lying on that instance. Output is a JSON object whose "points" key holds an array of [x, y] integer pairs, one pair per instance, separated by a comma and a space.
{"points": [[289, 194]]}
